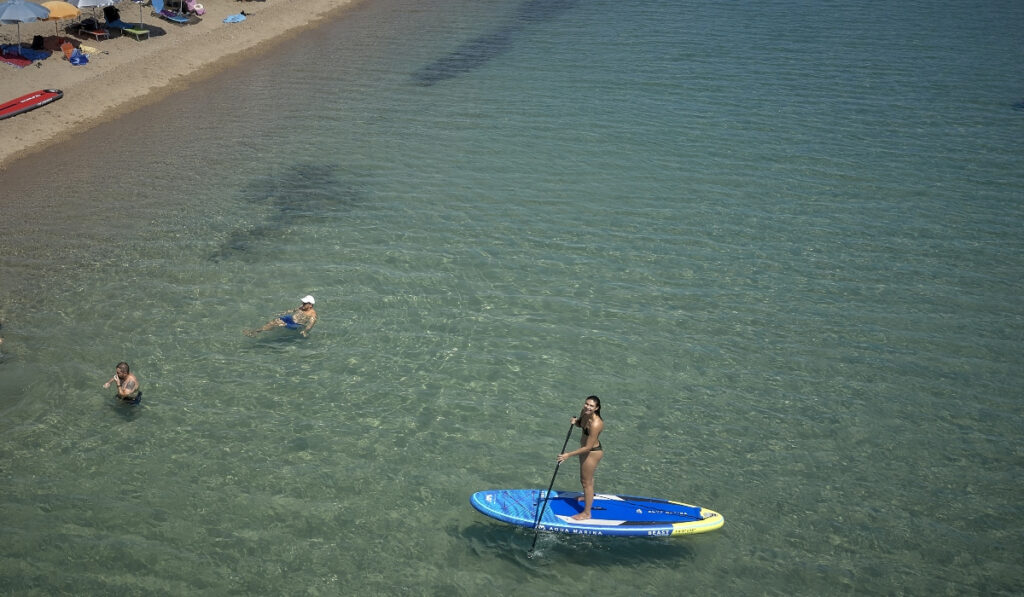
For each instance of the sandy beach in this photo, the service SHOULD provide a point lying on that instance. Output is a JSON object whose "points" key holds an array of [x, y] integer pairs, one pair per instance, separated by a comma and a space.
{"points": [[124, 73]]}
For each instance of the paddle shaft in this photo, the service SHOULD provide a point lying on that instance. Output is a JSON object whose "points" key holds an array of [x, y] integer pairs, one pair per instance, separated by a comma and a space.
{"points": [[536, 523]]}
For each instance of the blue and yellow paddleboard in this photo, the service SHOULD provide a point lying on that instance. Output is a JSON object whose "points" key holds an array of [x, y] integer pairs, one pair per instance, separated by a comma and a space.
{"points": [[612, 515]]}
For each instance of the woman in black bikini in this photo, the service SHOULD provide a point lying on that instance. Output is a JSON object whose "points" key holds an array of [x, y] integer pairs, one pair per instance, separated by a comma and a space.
{"points": [[590, 451]]}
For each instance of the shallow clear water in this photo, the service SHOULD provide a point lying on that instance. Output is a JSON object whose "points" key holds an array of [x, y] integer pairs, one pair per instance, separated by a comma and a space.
{"points": [[782, 243]]}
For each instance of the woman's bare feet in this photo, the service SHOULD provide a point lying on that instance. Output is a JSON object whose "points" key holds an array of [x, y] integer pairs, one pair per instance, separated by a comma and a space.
{"points": [[581, 516]]}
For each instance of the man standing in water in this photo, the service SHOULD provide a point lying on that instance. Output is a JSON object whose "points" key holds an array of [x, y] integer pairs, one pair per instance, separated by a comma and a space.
{"points": [[303, 319], [128, 389]]}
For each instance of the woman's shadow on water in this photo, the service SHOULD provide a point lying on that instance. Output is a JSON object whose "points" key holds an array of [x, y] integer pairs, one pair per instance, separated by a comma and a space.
{"points": [[513, 545]]}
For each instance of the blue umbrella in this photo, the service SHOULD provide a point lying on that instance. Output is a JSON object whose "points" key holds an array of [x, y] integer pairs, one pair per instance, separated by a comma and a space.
{"points": [[16, 12]]}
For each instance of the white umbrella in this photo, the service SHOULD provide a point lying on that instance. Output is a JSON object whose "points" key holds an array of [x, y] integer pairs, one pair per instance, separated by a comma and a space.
{"points": [[93, 4], [16, 12]]}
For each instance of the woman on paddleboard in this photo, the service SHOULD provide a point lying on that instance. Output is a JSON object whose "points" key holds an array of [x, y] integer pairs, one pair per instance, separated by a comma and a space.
{"points": [[590, 451]]}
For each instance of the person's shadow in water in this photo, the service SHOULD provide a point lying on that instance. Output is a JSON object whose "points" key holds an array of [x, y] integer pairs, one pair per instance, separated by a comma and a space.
{"points": [[128, 412], [512, 544]]}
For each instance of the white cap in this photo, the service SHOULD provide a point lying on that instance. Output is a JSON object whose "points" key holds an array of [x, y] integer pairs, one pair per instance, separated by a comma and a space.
{"points": [[309, 299]]}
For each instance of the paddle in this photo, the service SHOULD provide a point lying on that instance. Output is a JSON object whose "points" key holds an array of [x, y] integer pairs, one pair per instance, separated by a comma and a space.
{"points": [[536, 523]]}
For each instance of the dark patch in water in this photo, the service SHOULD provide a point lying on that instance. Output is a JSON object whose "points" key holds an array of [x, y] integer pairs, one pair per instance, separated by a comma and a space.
{"points": [[306, 194], [482, 49], [1019, 106], [468, 56]]}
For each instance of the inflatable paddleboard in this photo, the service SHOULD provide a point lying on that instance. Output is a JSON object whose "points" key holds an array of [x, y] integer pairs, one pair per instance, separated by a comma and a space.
{"points": [[28, 102], [612, 515]]}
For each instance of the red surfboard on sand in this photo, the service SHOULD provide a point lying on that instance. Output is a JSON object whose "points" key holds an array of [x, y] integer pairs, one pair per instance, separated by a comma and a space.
{"points": [[28, 102]]}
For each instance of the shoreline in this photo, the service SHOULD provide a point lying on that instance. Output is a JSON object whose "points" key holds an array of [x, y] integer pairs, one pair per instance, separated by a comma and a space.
{"points": [[127, 74]]}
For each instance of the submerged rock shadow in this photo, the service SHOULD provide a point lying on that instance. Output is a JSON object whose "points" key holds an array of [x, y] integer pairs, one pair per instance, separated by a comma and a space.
{"points": [[480, 50], [307, 193]]}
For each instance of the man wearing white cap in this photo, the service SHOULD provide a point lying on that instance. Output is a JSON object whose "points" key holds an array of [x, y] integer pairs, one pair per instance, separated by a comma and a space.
{"points": [[303, 319]]}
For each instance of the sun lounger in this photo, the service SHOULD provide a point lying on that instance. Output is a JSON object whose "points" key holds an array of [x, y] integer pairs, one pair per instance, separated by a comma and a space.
{"points": [[168, 14], [93, 29], [137, 33], [130, 28]]}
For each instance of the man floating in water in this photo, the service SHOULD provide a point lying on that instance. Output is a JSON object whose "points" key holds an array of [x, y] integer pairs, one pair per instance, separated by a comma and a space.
{"points": [[302, 319]]}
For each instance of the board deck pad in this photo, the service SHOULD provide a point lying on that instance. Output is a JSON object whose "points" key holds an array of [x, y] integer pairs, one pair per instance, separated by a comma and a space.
{"points": [[613, 515]]}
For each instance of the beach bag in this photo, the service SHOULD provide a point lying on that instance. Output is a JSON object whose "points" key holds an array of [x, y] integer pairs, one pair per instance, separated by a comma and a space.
{"points": [[37, 42]]}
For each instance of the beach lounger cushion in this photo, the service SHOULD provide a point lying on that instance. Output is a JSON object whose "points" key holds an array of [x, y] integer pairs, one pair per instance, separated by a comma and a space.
{"points": [[129, 28], [137, 33], [169, 15], [95, 31]]}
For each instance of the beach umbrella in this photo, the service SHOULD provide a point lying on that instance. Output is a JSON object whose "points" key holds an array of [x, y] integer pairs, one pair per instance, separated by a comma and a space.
{"points": [[140, 3], [16, 12], [60, 10], [93, 4]]}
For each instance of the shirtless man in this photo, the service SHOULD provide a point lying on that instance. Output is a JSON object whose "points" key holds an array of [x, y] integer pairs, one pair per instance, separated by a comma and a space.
{"points": [[303, 319], [128, 389]]}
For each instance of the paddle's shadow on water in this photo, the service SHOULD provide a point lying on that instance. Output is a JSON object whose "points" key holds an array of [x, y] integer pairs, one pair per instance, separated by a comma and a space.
{"points": [[304, 194], [480, 50]]}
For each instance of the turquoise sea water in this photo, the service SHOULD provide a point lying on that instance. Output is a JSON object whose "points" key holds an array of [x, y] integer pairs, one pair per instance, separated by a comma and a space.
{"points": [[782, 241]]}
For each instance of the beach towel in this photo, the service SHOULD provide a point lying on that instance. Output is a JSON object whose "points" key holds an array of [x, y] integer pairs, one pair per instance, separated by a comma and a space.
{"points": [[78, 58], [15, 60], [235, 18], [9, 54]]}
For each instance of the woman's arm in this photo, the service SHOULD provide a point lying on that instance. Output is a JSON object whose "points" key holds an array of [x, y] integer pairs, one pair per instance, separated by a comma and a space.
{"points": [[596, 425]]}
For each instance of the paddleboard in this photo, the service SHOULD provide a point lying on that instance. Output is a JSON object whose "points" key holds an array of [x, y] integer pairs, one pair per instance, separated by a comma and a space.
{"points": [[611, 515], [28, 102]]}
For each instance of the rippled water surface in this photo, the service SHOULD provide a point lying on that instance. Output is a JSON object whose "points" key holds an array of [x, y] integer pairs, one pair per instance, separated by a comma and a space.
{"points": [[782, 242]]}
